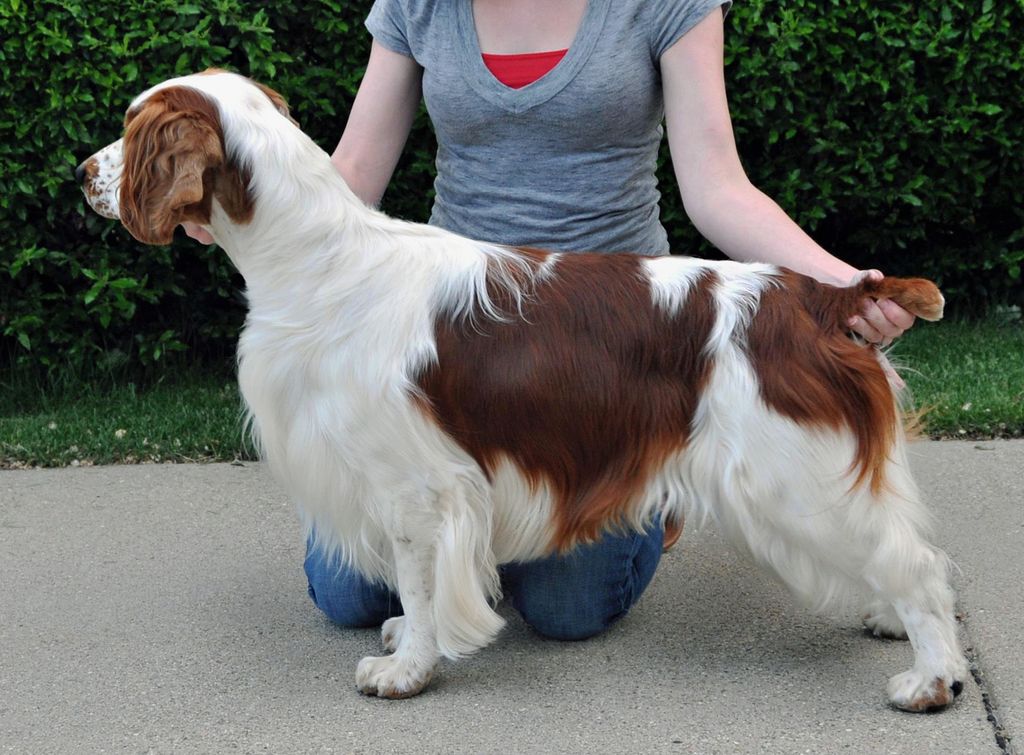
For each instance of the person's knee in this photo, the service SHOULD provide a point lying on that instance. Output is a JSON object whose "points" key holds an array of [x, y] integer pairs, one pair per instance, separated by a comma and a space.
{"points": [[565, 625], [345, 596], [584, 593], [342, 610]]}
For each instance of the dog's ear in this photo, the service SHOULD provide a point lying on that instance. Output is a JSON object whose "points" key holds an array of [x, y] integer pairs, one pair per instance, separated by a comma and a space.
{"points": [[171, 143]]}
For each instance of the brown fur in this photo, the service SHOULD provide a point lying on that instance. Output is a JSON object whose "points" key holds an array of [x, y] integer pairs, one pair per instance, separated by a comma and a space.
{"points": [[589, 392], [809, 370], [940, 695]]}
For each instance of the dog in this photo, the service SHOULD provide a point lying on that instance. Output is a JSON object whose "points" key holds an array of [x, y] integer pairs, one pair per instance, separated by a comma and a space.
{"points": [[437, 406]]}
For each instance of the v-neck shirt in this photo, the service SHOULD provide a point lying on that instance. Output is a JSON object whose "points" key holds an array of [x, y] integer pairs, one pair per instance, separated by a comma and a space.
{"points": [[566, 162]]}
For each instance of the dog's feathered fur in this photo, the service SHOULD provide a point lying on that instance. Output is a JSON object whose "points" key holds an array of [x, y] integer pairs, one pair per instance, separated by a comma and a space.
{"points": [[437, 406]]}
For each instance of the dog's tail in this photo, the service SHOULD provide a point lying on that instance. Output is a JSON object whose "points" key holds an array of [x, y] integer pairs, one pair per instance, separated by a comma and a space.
{"points": [[918, 296], [833, 306]]}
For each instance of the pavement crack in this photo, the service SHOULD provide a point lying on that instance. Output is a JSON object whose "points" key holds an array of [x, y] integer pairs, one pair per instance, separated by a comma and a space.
{"points": [[1003, 738]]}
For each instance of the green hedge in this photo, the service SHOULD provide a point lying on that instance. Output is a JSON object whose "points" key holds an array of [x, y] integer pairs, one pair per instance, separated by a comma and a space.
{"points": [[892, 131], [892, 134]]}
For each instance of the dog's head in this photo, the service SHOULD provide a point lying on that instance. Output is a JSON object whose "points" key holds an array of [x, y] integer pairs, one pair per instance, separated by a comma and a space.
{"points": [[173, 163]]}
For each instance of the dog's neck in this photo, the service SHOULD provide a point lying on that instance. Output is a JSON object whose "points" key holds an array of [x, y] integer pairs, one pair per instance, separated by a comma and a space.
{"points": [[312, 248], [302, 208], [314, 252]]}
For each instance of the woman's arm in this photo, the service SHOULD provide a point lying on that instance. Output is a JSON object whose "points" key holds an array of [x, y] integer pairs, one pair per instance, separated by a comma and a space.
{"points": [[718, 197], [379, 123]]}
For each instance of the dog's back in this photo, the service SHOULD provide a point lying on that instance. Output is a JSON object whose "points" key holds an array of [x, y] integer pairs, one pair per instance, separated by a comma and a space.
{"points": [[594, 380]]}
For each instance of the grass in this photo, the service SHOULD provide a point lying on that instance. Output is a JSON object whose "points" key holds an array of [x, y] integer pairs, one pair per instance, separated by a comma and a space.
{"points": [[192, 417], [970, 376]]}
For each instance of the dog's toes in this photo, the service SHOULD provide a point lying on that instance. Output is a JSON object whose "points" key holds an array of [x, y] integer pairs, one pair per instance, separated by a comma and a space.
{"points": [[911, 692], [391, 633], [392, 676], [883, 622]]}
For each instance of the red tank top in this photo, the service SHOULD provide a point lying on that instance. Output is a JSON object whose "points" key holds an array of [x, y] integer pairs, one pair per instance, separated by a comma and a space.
{"points": [[516, 71]]}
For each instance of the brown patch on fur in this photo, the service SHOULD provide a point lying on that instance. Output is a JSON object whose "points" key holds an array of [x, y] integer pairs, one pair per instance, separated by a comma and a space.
{"points": [[175, 164], [811, 372], [89, 172], [832, 306], [130, 113], [588, 392], [673, 531], [938, 697]]}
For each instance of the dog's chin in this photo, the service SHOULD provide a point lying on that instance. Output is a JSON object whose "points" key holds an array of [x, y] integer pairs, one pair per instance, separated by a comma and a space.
{"points": [[100, 203]]}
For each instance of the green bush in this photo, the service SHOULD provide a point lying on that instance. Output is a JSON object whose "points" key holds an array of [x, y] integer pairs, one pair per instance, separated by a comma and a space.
{"points": [[76, 291], [891, 133]]}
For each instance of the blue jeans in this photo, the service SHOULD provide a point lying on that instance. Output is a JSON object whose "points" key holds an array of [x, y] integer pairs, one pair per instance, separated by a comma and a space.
{"points": [[565, 597]]}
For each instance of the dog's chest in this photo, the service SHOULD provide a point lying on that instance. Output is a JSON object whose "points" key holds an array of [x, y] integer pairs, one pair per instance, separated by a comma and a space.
{"points": [[343, 403], [296, 388]]}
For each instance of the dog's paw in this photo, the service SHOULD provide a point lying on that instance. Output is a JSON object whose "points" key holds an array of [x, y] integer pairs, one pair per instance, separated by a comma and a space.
{"points": [[391, 633], [882, 621], [919, 693], [392, 676]]}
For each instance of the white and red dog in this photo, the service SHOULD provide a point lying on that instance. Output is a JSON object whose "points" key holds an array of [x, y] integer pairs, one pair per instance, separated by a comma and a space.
{"points": [[437, 406]]}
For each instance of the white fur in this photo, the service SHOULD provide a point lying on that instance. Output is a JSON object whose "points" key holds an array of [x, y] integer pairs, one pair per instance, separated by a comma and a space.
{"points": [[105, 183], [343, 300]]}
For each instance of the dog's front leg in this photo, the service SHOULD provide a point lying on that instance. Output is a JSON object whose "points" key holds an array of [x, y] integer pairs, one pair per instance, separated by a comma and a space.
{"points": [[409, 668]]}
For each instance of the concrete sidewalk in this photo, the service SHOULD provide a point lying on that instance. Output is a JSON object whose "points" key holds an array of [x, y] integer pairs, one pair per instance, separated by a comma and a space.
{"points": [[163, 608]]}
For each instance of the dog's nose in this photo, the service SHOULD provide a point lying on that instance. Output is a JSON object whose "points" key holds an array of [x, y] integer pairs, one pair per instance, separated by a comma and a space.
{"points": [[80, 172]]}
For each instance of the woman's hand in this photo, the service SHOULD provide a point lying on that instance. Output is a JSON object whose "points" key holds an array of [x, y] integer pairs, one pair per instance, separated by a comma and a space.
{"points": [[880, 322]]}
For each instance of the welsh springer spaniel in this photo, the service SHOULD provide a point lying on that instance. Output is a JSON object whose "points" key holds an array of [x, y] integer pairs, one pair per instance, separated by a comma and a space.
{"points": [[437, 406]]}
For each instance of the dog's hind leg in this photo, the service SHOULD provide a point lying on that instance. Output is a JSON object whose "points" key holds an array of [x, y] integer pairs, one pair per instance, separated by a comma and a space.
{"points": [[872, 540], [881, 619], [912, 576], [940, 668]]}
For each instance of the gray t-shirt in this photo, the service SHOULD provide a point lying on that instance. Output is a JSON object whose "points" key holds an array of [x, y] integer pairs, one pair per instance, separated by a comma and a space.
{"points": [[565, 163]]}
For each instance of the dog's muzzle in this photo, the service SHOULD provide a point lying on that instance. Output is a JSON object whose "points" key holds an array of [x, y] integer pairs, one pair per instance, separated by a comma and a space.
{"points": [[100, 179]]}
